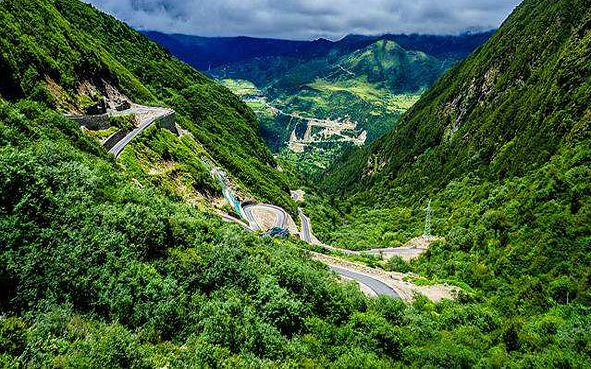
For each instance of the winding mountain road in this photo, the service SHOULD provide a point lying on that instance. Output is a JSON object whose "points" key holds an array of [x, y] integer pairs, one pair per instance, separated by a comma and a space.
{"points": [[404, 252], [274, 216], [377, 286], [373, 284], [145, 116], [251, 209]]}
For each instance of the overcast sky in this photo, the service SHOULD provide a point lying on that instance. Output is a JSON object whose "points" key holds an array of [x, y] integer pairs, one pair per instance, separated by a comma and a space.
{"points": [[308, 19]]}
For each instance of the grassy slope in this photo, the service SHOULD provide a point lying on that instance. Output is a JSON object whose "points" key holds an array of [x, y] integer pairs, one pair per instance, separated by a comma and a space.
{"points": [[69, 42]]}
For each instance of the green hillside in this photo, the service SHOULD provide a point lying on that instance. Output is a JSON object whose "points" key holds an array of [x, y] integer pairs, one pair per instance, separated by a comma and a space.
{"points": [[502, 146], [120, 263], [507, 108], [50, 50], [383, 63]]}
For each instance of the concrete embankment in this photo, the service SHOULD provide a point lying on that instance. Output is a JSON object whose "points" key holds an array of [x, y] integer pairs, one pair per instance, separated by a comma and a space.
{"points": [[114, 138]]}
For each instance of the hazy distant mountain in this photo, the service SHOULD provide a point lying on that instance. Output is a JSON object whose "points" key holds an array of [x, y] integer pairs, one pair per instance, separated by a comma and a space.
{"points": [[210, 52]]}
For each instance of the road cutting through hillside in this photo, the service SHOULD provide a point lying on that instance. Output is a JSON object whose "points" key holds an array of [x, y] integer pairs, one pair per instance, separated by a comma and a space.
{"points": [[264, 217], [406, 253], [374, 285], [365, 280], [145, 116], [371, 281]]}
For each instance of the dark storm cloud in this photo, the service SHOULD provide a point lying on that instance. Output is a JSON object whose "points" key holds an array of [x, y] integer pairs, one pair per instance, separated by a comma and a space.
{"points": [[307, 19]]}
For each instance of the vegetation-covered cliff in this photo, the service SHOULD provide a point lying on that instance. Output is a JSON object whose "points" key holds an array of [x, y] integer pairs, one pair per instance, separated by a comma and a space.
{"points": [[506, 109], [501, 144], [64, 52]]}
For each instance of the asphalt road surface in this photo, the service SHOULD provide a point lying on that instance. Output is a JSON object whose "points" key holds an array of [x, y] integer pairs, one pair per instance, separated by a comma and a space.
{"points": [[306, 235], [279, 214], [375, 285], [146, 116]]}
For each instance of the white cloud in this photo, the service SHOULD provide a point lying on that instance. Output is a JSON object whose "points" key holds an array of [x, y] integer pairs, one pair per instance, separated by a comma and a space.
{"points": [[308, 19]]}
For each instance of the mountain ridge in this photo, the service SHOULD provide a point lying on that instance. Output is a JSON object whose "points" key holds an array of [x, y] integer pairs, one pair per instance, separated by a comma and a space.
{"points": [[252, 47], [501, 148], [478, 88]]}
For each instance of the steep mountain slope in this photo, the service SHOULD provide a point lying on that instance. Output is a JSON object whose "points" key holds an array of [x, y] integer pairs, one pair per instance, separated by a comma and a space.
{"points": [[505, 109], [360, 95], [384, 63], [58, 51], [501, 144], [364, 81]]}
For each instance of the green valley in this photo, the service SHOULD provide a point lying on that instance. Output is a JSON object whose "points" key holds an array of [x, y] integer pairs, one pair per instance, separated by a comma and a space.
{"points": [[366, 91], [374, 202], [501, 145]]}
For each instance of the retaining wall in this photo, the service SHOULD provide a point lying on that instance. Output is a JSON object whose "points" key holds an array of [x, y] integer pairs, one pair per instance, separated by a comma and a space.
{"points": [[114, 138], [94, 123], [168, 122]]}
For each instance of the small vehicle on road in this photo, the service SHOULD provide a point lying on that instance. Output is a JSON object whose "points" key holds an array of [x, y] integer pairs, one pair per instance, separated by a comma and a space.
{"points": [[276, 232]]}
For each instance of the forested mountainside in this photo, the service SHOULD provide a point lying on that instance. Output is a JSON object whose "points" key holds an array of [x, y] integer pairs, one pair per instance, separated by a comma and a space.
{"points": [[64, 53], [502, 147], [506, 109]]}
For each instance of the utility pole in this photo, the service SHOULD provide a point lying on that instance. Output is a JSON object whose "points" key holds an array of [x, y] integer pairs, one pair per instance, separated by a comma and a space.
{"points": [[427, 231]]}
